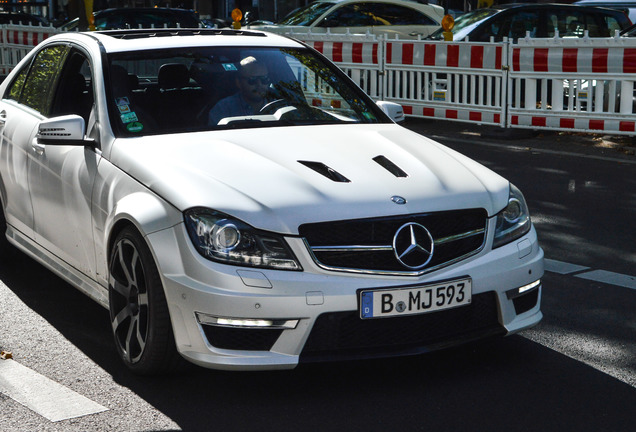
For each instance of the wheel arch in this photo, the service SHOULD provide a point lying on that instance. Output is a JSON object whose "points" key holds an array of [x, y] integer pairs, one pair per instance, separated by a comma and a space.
{"points": [[145, 212]]}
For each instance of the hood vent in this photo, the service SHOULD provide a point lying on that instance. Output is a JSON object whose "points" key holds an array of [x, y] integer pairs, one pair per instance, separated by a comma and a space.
{"points": [[326, 171], [390, 166]]}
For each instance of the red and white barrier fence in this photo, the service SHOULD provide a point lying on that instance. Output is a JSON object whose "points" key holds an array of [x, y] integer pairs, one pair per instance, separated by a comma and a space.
{"points": [[573, 84], [456, 81], [17, 40]]}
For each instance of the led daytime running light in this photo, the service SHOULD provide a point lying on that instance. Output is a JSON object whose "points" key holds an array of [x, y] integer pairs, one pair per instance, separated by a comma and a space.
{"points": [[246, 322]]}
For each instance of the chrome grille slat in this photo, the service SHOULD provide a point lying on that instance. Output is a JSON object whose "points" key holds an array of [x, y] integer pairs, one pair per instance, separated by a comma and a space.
{"points": [[350, 248], [460, 236]]}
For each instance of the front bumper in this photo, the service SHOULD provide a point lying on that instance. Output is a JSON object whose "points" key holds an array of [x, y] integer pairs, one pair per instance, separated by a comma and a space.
{"points": [[228, 317]]}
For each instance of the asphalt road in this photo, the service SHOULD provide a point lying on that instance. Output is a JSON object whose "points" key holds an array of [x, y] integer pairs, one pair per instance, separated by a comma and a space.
{"points": [[575, 371]]}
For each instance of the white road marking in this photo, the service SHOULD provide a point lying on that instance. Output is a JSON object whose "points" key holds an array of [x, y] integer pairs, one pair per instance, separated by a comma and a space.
{"points": [[508, 146], [561, 267], [43, 395], [608, 277]]}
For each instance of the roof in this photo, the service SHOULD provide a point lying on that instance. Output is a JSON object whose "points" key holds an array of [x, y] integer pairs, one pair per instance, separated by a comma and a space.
{"points": [[605, 2], [146, 39], [539, 5]]}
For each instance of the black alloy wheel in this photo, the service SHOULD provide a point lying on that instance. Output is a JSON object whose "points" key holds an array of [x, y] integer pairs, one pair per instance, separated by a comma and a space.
{"points": [[139, 315]]}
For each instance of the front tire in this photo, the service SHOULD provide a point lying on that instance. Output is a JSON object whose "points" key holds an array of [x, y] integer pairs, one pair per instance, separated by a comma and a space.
{"points": [[139, 315]]}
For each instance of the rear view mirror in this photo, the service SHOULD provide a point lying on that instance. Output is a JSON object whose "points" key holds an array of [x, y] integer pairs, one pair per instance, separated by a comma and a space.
{"points": [[393, 110]]}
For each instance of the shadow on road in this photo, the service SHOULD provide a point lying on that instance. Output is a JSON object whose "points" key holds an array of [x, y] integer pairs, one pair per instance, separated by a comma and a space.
{"points": [[511, 384]]}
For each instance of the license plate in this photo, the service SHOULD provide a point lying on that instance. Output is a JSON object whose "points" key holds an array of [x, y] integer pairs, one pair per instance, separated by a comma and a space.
{"points": [[380, 303]]}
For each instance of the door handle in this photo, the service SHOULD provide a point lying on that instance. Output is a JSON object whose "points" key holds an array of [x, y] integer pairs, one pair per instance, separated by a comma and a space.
{"points": [[37, 147], [3, 117]]}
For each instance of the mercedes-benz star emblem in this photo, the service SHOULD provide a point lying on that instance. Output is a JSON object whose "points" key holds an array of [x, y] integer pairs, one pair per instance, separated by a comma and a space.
{"points": [[398, 200], [413, 245]]}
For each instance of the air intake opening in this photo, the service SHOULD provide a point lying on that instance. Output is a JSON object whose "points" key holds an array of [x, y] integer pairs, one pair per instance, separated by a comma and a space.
{"points": [[390, 166], [326, 171]]}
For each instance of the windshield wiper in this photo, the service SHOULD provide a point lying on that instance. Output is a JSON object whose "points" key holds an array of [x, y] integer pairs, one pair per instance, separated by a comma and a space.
{"points": [[252, 123]]}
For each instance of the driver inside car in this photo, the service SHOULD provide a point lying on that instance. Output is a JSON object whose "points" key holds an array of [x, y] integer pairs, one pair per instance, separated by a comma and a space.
{"points": [[252, 83]]}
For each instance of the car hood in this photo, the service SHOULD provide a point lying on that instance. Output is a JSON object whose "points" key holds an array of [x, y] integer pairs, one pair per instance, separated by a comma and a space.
{"points": [[278, 178]]}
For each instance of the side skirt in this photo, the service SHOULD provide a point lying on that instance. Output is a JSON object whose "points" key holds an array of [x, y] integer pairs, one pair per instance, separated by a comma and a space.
{"points": [[71, 275]]}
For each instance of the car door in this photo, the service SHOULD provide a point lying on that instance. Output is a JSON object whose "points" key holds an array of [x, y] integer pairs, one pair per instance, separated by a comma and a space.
{"points": [[24, 105], [61, 175], [392, 19]]}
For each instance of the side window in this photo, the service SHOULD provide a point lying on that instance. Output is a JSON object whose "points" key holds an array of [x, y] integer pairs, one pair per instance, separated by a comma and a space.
{"points": [[609, 28], [15, 88], [571, 24], [41, 81], [351, 15], [497, 27], [522, 23], [74, 94], [389, 14]]}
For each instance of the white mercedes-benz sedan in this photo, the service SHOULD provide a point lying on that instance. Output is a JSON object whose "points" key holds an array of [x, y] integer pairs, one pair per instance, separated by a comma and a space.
{"points": [[234, 199], [405, 19]]}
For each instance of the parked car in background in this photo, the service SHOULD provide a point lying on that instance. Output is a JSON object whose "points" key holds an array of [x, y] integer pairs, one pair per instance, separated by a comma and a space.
{"points": [[628, 7], [514, 21], [290, 221], [407, 19], [8, 17], [131, 18]]}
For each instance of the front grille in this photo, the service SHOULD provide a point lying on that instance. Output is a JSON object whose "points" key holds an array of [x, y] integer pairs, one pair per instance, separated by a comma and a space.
{"points": [[366, 244], [345, 335]]}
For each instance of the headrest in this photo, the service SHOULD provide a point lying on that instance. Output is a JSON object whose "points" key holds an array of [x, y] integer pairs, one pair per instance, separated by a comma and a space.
{"points": [[119, 80], [76, 82], [203, 72], [173, 75]]}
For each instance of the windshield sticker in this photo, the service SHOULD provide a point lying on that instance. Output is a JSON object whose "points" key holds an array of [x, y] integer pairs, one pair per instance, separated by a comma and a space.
{"points": [[129, 117], [229, 66], [122, 101], [124, 108], [134, 127]]}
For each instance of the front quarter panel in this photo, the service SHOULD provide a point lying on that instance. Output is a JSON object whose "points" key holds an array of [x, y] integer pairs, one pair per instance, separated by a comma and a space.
{"points": [[119, 200]]}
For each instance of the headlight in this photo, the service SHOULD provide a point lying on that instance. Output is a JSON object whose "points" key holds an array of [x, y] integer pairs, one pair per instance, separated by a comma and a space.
{"points": [[221, 238], [514, 221]]}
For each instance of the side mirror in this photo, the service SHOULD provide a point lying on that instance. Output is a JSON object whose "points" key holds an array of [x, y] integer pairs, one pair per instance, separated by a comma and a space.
{"points": [[63, 130], [393, 110]]}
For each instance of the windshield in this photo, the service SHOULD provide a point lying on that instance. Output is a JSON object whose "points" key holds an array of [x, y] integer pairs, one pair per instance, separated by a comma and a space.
{"points": [[173, 91], [306, 15], [465, 23]]}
